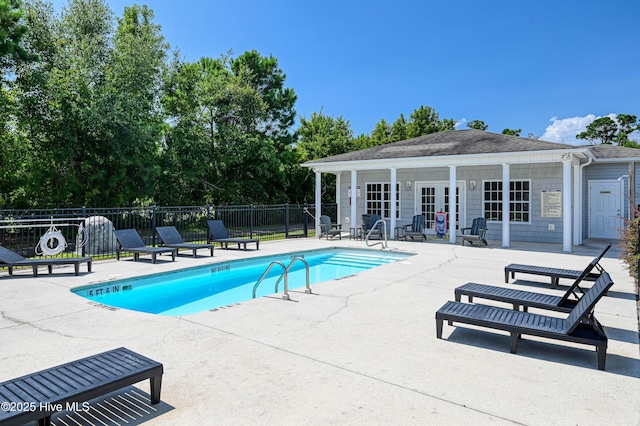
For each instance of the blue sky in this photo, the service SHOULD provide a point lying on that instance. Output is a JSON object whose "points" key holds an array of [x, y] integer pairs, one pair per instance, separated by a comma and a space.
{"points": [[546, 67]]}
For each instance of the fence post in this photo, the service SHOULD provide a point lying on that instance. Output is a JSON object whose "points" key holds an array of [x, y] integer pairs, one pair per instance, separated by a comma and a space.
{"points": [[286, 220], [251, 207], [305, 220], [153, 225], [85, 235]]}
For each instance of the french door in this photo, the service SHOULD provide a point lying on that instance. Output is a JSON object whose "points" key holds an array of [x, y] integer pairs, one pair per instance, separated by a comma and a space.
{"points": [[433, 197]]}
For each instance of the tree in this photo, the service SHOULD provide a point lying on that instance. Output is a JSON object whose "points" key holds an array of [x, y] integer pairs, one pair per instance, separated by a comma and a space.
{"points": [[608, 130], [381, 134], [323, 136], [512, 132], [12, 32], [228, 117], [399, 129], [425, 120], [88, 107], [478, 125]]}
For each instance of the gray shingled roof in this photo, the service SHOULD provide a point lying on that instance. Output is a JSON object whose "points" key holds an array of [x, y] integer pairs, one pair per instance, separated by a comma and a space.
{"points": [[613, 152], [456, 142]]}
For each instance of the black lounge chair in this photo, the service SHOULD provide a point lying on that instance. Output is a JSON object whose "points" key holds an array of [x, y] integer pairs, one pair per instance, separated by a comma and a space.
{"points": [[554, 273], [172, 238], [39, 395], [528, 299], [476, 233], [219, 234], [328, 229], [416, 229], [580, 326], [11, 259], [129, 241]]}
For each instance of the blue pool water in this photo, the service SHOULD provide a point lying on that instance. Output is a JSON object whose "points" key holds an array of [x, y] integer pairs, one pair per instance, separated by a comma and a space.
{"points": [[203, 288]]}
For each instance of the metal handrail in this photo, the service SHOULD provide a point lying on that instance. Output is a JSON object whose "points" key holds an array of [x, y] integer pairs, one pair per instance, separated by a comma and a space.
{"points": [[306, 265], [384, 242], [286, 279]]}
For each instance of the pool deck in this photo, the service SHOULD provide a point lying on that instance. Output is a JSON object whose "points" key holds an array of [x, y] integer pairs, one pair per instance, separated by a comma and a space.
{"points": [[360, 350]]}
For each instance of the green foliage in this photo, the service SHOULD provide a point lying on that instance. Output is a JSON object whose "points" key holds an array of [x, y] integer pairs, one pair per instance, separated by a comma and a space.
{"points": [[478, 125], [323, 136], [228, 138], [12, 32], [512, 132], [609, 131], [629, 243]]}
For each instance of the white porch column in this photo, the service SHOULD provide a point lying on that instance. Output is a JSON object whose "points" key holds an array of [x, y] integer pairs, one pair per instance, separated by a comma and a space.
{"points": [[452, 204], [567, 161], [338, 203], [577, 205], [506, 201], [392, 207], [318, 201], [354, 198]]}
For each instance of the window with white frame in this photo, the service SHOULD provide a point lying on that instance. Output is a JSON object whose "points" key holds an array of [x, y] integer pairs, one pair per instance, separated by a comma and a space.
{"points": [[378, 199], [519, 200]]}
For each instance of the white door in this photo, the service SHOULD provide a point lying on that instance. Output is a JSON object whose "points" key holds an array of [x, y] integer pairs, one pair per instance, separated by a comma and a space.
{"points": [[433, 197], [605, 208]]}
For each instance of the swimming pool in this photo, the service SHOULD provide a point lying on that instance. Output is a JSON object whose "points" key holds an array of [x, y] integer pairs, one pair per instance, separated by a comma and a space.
{"points": [[212, 286]]}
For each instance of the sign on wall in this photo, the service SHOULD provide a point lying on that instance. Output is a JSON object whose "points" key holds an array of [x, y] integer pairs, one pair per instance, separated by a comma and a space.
{"points": [[551, 204]]}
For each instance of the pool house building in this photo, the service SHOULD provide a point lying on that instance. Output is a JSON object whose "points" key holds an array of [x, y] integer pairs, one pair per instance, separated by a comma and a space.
{"points": [[558, 193]]}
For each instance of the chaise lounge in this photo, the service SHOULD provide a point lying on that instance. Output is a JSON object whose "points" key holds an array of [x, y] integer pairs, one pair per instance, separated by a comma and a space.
{"points": [[580, 326], [39, 395], [129, 241], [172, 238], [11, 259], [554, 273], [219, 234], [528, 299]]}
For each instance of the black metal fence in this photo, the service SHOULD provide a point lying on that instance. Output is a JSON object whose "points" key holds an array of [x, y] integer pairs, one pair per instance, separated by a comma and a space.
{"points": [[21, 230]]}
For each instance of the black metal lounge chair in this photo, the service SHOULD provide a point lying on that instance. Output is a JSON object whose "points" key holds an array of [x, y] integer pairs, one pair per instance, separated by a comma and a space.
{"points": [[554, 273], [528, 299], [328, 229], [476, 233], [39, 395], [11, 259], [219, 234], [129, 241], [580, 326], [172, 238], [416, 229]]}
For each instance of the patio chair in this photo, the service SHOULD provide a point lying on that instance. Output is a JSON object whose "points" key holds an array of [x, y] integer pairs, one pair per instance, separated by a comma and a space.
{"points": [[476, 233], [219, 234], [554, 273], [328, 229], [580, 326], [172, 238], [416, 229], [11, 259], [368, 222], [129, 241], [528, 299]]}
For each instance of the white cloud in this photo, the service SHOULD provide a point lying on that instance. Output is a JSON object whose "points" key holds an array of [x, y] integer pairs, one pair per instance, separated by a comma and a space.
{"points": [[461, 122], [565, 130]]}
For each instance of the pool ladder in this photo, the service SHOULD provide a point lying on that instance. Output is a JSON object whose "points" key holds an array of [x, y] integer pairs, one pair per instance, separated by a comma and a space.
{"points": [[285, 275], [384, 243]]}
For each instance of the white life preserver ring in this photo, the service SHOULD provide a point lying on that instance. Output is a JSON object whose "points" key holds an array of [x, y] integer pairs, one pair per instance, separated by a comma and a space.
{"points": [[52, 243]]}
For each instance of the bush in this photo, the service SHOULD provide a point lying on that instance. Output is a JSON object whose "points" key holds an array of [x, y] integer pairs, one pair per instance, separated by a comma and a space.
{"points": [[629, 244]]}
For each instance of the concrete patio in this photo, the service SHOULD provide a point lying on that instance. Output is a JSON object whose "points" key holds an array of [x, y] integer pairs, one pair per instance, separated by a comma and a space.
{"points": [[359, 350]]}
